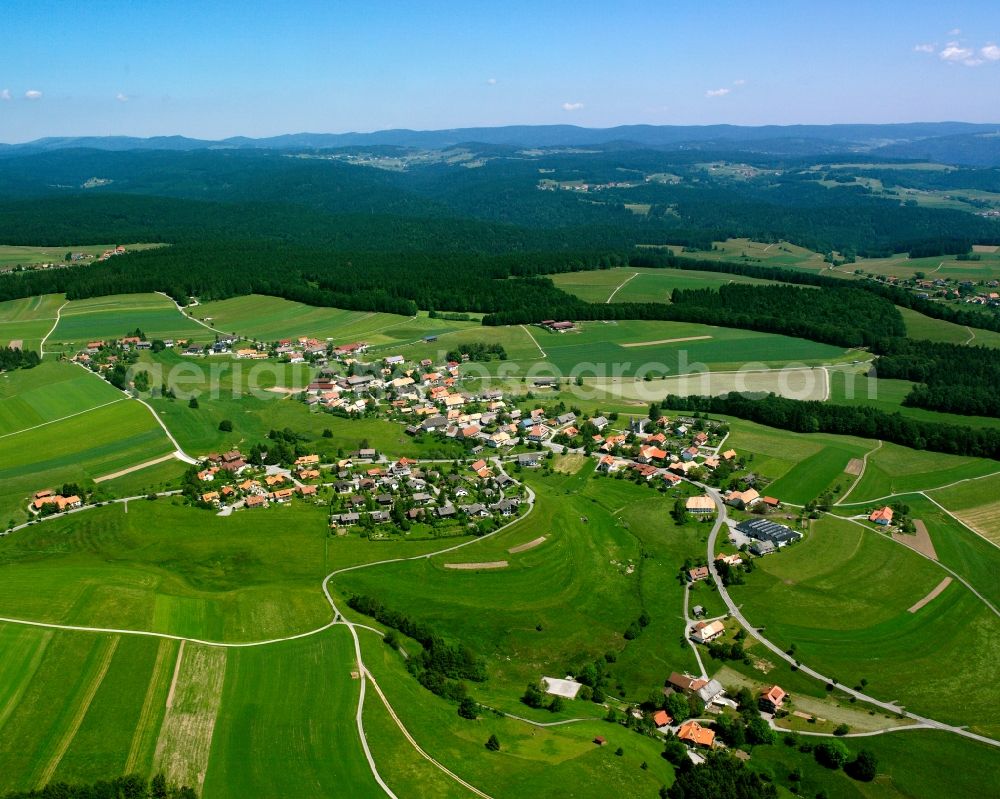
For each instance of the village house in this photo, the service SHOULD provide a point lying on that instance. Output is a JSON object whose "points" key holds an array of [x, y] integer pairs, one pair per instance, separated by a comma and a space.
{"points": [[255, 501], [662, 719], [700, 505], [705, 632], [771, 699], [698, 573], [743, 499], [693, 733], [881, 516]]}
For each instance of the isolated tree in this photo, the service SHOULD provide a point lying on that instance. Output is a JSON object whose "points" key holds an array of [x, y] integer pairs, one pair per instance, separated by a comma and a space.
{"points": [[832, 754], [226, 426], [193, 402], [864, 767], [493, 744], [467, 708]]}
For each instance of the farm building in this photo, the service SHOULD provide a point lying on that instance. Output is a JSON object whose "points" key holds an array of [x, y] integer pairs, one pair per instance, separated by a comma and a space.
{"points": [[881, 516], [766, 530], [705, 632], [703, 504]]}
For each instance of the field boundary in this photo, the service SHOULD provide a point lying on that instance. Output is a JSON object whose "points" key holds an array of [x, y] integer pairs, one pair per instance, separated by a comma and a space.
{"points": [[79, 714]]}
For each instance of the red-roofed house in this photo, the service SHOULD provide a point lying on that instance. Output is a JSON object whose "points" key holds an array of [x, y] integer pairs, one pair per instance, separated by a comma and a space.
{"points": [[881, 516]]}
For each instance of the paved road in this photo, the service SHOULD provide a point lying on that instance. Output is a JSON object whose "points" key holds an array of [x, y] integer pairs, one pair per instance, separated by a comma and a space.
{"points": [[735, 613]]}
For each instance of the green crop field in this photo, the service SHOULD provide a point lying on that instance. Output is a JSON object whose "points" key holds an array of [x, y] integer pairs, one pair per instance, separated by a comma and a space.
{"points": [[166, 567], [897, 470], [842, 597], [111, 318], [976, 503], [640, 284], [98, 442], [52, 390], [800, 466], [627, 348], [925, 327], [28, 320], [285, 722], [272, 318]]}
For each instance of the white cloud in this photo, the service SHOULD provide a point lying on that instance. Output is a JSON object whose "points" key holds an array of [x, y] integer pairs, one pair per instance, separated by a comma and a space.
{"points": [[572, 106], [955, 32], [924, 48], [491, 81], [990, 52], [121, 97], [717, 92], [5, 94], [32, 94], [953, 51], [739, 82]]}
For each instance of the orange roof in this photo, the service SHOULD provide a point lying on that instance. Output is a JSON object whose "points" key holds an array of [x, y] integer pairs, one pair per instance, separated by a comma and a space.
{"points": [[661, 718], [775, 694], [881, 514], [694, 732]]}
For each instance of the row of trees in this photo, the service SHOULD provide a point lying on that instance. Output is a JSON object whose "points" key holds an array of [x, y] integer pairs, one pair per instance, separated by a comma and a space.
{"points": [[864, 421], [130, 786]]}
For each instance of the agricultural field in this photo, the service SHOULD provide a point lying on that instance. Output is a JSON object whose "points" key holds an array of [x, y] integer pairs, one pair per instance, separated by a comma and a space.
{"points": [[53, 390], [631, 284], [800, 466], [272, 318], [628, 348], [111, 318], [28, 320], [821, 596], [794, 383], [924, 327], [892, 469], [101, 441], [976, 503], [167, 567]]}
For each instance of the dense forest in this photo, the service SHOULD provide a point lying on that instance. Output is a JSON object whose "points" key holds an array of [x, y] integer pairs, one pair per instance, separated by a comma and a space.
{"points": [[951, 377]]}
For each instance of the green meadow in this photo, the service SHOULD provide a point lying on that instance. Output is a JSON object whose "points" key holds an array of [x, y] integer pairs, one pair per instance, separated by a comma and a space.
{"points": [[28, 319], [111, 318], [639, 284], [842, 597], [285, 723], [892, 469], [98, 442], [272, 318], [800, 466], [52, 390], [163, 566]]}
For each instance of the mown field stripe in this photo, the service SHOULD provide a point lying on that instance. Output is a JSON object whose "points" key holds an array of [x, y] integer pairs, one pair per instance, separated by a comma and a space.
{"points": [[24, 678], [81, 711], [147, 730]]}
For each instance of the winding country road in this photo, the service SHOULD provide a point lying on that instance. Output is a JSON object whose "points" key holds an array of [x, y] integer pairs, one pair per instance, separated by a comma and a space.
{"points": [[338, 619], [734, 612]]}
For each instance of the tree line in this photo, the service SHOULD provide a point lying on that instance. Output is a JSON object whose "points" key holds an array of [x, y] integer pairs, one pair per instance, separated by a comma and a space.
{"points": [[810, 416]]}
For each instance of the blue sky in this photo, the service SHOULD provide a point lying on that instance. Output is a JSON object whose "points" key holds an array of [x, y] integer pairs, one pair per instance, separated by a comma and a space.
{"points": [[217, 69]]}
